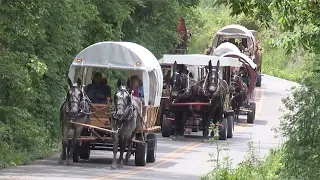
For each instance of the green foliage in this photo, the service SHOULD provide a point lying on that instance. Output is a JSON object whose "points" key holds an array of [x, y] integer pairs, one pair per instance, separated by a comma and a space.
{"points": [[204, 23], [297, 23], [253, 166], [39, 39], [300, 126]]}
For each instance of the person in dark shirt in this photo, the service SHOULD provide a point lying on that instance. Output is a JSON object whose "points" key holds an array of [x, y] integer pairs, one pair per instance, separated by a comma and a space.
{"points": [[108, 89], [97, 91]]}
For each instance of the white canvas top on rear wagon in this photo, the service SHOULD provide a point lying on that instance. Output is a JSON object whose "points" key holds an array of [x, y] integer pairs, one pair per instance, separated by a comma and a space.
{"points": [[195, 61], [198, 60], [134, 58]]}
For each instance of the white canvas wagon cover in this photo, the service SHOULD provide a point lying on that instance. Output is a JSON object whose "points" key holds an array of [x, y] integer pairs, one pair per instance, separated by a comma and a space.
{"points": [[198, 60], [224, 48], [242, 57], [235, 30], [124, 56]]}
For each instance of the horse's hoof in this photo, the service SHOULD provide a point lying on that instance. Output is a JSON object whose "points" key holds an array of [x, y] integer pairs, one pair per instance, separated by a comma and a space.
{"points": [[126, 161], [205, 140], [113, 167], [181, 138], [174, 138], [60, 161]]}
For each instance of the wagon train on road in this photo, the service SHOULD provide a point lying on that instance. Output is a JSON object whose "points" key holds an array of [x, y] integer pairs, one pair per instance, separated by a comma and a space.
{"points": [[243, 81], [246, 42], [127, 118], [199, 94]]}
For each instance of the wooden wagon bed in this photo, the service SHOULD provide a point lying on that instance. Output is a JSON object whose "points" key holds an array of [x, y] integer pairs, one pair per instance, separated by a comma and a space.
{"points": [[100, 121]]}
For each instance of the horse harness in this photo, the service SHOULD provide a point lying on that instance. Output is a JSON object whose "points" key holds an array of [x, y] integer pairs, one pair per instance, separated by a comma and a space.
{"points": [[82, 105], [128, 110]]}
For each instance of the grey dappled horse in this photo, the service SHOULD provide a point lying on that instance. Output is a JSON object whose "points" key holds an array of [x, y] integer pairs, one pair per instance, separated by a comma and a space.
{"points": [[214, 90], [127, 117], [76, 108]]}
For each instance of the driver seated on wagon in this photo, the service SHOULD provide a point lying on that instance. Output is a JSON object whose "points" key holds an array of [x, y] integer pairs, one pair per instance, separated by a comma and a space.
{"points": [[98, 91]]}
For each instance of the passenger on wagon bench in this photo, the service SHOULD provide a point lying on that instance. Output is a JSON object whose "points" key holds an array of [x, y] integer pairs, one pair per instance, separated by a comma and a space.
{"points": [[134, 85], [98, 92]]}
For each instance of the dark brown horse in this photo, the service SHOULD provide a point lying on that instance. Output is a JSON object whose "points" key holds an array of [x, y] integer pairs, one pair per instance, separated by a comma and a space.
{"points": [[183, 89], [239, 94], [258, 56], [214, 90]]}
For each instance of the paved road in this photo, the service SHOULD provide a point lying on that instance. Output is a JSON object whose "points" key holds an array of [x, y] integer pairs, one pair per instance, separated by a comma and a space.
{"points": [[176, 160]]}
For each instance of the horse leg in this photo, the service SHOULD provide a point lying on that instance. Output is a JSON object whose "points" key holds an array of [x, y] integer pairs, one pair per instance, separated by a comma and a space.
{"points": [[76, 134], [238, 112], [63, 155], [115, 150], [205, 125], [185, 116], [128, 155], [122, 143], [177, 122]]}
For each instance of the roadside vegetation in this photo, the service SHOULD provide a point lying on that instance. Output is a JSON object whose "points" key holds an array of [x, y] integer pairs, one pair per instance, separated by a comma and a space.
{"points": [[293, 46]]}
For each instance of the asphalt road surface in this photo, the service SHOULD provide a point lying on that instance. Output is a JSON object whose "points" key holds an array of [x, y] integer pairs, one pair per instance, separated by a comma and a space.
{"points": [[186, 160]]}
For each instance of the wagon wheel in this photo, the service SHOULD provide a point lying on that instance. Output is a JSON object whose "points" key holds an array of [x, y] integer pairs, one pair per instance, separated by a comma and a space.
{"points": [[258, 83], [251, 114], [84, 148], [230, 121], [166, 126], [223, 129], [152, 148], [141, 151]]}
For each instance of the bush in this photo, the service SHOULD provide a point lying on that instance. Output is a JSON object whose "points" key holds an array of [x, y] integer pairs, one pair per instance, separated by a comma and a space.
{"points": [[253, 167]]}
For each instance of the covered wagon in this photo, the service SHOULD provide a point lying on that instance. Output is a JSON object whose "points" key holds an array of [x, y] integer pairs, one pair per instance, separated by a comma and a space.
{"points": [[133, 59]]}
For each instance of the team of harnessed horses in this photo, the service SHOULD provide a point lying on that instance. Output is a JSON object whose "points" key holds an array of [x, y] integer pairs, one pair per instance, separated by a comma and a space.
{"points": [[126, 117], [212, 90]]}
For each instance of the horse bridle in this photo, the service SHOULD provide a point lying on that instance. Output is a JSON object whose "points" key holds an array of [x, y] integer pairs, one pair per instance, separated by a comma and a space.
{"points": [[80, 102], [238, 80], [204, 88], [125, 105]]}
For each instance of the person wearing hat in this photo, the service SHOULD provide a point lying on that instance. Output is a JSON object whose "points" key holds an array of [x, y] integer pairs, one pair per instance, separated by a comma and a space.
{"points": [[98, 92]]}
